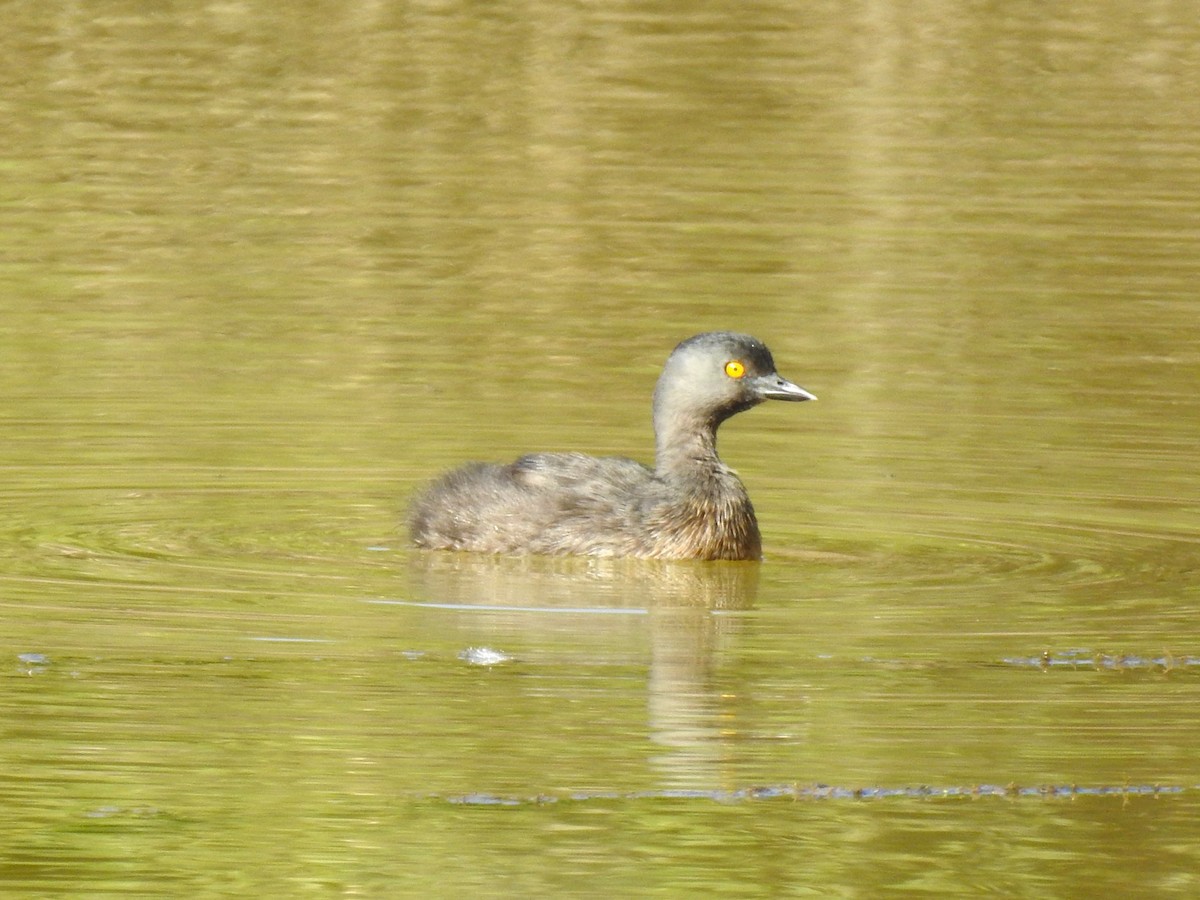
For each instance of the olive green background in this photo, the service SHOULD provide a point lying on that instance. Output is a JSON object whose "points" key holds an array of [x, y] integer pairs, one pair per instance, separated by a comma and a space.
{"points": [[266, 268]]}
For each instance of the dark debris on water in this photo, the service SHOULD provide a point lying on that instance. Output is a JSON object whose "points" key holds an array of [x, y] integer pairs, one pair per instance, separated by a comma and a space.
{"points": [[1088, 659], [828, 792]]}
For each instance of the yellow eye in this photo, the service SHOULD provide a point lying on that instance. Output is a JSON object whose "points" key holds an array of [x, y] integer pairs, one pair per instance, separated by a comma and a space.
{"points": [[735, 369]]}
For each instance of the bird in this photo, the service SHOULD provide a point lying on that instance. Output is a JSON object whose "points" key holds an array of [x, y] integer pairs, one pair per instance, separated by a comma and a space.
{"points": [[689, 506]]}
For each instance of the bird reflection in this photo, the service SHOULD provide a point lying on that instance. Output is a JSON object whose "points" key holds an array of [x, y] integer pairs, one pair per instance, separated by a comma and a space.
{"points": [[683, 601]]}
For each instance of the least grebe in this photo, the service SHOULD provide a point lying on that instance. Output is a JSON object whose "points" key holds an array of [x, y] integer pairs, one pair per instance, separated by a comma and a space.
{"points": [[689, 506]]}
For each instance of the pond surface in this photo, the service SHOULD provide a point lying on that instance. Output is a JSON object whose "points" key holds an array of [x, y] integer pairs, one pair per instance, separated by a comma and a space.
{"points": [[268, 269]]}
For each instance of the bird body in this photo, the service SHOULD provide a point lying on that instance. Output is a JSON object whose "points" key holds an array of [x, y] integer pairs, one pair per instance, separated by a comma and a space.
{"points": [[689, 506]]}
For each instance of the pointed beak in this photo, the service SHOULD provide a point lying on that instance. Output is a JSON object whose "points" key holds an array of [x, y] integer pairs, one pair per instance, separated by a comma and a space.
{"points": [[776, 387]]}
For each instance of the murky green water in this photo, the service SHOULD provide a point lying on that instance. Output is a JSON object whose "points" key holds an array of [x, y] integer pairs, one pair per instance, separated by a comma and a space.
{"points": [[265, 270]]}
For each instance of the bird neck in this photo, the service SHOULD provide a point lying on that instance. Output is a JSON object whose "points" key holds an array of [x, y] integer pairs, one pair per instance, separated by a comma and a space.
{"points": [[685, 445]]}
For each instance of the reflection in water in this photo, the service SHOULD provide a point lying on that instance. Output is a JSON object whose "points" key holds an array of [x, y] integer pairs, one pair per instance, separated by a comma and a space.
{"points": [[680, 598], [580, 583], [685, 710]]}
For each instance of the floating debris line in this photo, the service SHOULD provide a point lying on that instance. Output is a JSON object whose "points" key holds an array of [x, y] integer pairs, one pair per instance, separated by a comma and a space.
{"points": [[827, 792], [1089, 659]]}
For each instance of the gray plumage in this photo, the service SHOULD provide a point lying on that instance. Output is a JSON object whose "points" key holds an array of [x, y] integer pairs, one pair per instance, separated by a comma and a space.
{"points": [[690, 506]]}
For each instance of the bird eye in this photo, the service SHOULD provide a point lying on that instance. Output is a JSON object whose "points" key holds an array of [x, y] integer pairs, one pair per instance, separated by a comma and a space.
{"points": [[735, 368]]}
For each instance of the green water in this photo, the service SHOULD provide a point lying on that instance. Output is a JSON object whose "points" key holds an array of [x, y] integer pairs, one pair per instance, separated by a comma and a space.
{"points": [[266, 270]]}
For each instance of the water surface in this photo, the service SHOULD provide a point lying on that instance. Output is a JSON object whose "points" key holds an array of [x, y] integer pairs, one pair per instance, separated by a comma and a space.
{"points": [[266, 271]]}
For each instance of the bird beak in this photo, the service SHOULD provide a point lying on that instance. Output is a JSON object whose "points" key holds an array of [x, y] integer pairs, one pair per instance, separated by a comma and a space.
{"points": [[776, 387]]}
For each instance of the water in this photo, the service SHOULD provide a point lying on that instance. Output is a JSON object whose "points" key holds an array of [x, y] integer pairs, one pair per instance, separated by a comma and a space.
{"points": [[266, 271]]}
